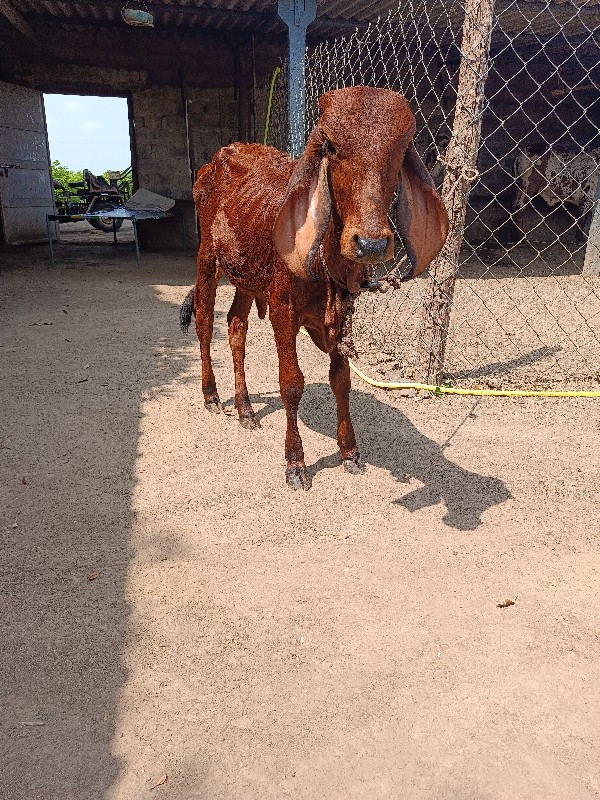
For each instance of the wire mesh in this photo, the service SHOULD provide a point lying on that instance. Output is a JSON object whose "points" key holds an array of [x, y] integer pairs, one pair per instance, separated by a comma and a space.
{"points": [[525, 307]]}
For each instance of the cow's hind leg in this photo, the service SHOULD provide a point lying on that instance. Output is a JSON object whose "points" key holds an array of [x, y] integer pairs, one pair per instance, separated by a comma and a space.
{"points": [[237, 320], [339, 378], [204, 304]]}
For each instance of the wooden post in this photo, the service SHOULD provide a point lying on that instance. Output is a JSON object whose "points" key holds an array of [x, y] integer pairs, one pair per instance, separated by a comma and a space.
{"points": [[461, 171]]}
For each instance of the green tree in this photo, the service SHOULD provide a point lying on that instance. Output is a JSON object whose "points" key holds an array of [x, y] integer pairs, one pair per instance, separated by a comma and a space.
{"points": [[65, 174]]}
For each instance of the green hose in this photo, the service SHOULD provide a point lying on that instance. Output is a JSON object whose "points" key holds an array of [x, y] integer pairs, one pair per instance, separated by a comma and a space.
{"points": [[271, 91], [453, 390]]}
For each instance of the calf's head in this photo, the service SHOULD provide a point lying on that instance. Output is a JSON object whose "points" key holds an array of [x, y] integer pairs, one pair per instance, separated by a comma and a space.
{"points": [[359, 153]]}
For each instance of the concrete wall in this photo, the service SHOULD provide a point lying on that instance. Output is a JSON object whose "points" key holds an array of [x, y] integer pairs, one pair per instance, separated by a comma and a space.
{"points": [[25, 189], [213, 120], [166, 161], [214, 72]]}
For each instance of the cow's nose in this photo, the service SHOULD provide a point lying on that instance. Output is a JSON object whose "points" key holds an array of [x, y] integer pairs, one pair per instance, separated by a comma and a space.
{"points": [[371, 248]]}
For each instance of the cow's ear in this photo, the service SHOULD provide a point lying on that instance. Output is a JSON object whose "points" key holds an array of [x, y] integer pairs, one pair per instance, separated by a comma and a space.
{"points": [[304, 215], [420, 214]]}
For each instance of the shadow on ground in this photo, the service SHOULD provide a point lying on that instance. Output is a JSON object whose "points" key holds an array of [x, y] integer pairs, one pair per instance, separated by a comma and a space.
{"points": [[74, 374], [388, 440]]}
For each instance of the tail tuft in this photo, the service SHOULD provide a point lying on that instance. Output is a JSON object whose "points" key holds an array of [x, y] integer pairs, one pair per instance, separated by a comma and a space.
{"points": [[186, 311]]}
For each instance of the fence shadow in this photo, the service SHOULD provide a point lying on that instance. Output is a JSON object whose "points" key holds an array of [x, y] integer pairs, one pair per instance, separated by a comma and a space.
{"points": [[504, 367], [389, 440]]}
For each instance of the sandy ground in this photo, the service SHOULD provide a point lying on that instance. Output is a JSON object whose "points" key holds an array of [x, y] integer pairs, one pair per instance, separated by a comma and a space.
{"points": [[520, 319], [170, 608]]}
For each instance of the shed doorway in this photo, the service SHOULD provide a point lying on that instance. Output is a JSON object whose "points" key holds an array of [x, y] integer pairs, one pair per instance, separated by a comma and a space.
{"points": [[91, 162]]}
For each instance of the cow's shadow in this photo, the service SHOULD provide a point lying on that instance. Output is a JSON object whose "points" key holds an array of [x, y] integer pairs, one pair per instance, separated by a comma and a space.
{"points": [[388, 440]]}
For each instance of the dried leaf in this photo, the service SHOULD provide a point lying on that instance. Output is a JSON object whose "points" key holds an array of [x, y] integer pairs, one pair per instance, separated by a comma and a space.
{"points": [[24, 481], [92, 576], [506, 603], [162, 780]]}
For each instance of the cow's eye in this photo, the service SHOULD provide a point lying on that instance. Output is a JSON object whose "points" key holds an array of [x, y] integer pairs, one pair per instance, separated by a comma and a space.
{"points": [[329, 148]]}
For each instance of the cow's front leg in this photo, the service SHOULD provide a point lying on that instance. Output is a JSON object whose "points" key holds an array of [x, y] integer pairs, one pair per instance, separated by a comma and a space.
{"points": [[291, 384], [339, 378]]}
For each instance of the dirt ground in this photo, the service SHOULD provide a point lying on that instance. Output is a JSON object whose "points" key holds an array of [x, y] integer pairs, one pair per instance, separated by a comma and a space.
{"points": [[170, 608], [520, 319]]}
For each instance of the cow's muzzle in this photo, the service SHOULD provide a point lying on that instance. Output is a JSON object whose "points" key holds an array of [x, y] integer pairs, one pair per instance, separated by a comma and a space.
{"points": [[358, 246], [368, 249]]}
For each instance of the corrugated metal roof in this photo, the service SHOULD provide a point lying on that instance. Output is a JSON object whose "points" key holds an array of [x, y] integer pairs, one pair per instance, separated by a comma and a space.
{"points": [[333, 16], [182, 15]]}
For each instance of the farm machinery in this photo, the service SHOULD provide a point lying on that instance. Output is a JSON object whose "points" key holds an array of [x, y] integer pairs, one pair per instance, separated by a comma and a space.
{"points": [[94, 194]]}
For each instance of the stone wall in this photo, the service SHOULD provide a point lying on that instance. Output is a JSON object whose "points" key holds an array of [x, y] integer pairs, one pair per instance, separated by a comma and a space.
{"points": [[165, 162], [214, 73]]}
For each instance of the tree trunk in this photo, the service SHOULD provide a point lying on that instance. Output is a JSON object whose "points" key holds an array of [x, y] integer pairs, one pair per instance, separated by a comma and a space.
{"points": [[461, 171]]}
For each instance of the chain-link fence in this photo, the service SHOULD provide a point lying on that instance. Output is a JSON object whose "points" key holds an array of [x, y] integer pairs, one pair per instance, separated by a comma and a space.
{"points": [[520, 303]]}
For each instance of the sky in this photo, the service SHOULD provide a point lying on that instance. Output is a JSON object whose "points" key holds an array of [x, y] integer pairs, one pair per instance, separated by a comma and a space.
{"points": [[88, 132]]}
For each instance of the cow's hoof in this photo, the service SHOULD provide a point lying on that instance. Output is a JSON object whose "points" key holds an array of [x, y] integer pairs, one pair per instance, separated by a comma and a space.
{"points": [[214, 406], [298, 478], [249, 422], [354, 466]]}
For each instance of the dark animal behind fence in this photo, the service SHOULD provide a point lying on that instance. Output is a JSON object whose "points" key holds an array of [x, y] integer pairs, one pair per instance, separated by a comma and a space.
{"points": [[299, 237]]}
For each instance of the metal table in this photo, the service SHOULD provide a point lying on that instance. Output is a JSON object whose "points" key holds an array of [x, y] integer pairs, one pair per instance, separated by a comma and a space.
{"points": [[116, 213]]}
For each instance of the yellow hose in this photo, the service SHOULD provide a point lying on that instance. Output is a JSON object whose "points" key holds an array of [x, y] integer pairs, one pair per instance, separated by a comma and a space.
{"points": [[453, 390], [271, 90]]}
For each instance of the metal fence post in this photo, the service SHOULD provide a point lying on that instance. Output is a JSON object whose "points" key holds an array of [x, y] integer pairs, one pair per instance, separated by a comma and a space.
{"points": [[461, 171], [297, 15]]}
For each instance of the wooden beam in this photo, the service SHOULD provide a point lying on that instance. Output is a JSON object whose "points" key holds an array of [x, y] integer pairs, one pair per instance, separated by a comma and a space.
{"points": [[224, 20], [16, 20]]}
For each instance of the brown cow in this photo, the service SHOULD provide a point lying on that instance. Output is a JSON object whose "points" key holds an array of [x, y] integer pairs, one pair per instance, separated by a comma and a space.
{"points": [[298, 237]]}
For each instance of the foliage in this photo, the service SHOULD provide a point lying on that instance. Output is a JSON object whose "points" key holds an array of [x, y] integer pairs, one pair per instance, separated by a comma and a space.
{"points": [[65, 174]]}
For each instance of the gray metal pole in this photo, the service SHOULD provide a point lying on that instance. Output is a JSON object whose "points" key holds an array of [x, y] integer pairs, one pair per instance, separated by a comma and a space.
{"points": [[297, 15], [135, 237]]}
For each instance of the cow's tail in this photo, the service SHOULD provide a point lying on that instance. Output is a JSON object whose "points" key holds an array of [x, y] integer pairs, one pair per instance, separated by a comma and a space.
{"points": [[186, 311]]}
